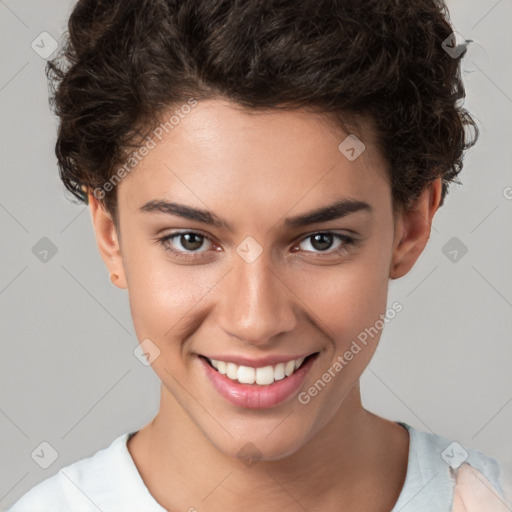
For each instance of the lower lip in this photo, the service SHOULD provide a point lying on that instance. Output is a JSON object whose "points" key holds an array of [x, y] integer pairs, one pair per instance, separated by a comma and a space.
{"points": [[254, 396]]}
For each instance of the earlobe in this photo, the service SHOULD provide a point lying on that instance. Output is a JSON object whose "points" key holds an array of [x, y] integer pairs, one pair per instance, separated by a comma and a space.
{"points": [[107, 240], [412, 230]]}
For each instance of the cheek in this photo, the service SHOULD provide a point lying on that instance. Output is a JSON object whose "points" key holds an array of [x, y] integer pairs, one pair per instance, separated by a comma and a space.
{"points": [[162, 294], [350, 302], [345, 299]]}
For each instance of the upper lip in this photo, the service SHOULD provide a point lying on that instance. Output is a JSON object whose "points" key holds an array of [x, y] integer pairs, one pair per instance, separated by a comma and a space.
{"points": [[261, 362]]}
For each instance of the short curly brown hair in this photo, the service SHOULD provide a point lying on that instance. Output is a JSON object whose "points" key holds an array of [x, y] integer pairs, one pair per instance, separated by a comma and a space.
{"points": [[125, 62]]}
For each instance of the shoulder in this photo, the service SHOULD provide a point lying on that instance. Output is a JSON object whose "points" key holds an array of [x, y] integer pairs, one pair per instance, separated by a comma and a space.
{"points": [[99, 482], [432, 467]]}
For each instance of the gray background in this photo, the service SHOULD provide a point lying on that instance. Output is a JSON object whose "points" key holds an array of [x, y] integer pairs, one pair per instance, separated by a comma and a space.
{"points": [[68, 374]]}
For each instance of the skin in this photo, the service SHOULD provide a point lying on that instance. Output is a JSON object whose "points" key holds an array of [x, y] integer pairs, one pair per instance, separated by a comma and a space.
{"points": [[253, 170]]}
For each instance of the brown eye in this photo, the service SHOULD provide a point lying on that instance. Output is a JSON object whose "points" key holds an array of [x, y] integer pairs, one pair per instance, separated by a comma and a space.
{"points": [[191, 241], [323, 241], [185, 244]]}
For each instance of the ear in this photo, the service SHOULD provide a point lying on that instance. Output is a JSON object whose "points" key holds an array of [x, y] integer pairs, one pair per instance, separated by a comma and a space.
{"points": [[412, 230], [108, 243]]}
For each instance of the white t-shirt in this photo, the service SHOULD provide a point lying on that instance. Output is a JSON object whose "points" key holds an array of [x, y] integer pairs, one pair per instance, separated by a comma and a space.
{"points": [[109, 481]]}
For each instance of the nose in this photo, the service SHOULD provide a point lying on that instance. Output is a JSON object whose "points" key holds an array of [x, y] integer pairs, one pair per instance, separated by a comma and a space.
{"points": [[256, 304]]}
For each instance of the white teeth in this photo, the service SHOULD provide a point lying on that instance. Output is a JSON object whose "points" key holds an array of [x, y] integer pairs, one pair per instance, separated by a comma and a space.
{"points": [[222, 367], [232, 371], [289, 368], [262, 376], [246, 375], [279, 371]]}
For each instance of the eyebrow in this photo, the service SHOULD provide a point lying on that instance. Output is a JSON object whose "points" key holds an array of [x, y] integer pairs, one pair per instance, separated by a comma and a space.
{"points": [[337, 210]]}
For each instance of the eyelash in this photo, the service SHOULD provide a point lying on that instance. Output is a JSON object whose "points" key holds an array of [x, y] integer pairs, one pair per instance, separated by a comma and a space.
{"points": [[348, 242]]}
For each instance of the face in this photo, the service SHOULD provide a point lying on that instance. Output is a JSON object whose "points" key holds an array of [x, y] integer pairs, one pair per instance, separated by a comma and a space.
{"points": [[224, 259]]}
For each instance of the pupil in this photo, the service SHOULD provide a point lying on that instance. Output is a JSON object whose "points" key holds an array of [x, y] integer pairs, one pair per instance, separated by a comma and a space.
{"points": [[319, 242]]}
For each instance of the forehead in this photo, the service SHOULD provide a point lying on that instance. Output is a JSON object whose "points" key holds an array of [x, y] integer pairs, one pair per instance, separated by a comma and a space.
{"points": [[220, 155]]}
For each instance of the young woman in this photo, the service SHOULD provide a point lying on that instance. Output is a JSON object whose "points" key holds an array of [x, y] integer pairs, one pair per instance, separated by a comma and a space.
{"points": [[256, 173]]}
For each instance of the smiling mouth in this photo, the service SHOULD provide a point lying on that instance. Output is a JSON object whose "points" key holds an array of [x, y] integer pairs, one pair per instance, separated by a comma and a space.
{"points": [[263, 376]]}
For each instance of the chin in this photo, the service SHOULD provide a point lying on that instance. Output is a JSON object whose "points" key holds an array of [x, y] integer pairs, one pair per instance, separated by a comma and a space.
{"points": [[260, 449], [265, 443]]}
